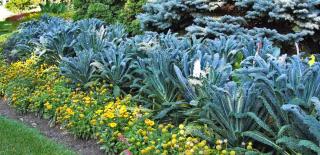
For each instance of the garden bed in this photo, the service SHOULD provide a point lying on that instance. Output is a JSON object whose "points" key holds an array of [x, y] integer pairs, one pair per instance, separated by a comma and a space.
{"points": [[84, 147], [233, 80]]}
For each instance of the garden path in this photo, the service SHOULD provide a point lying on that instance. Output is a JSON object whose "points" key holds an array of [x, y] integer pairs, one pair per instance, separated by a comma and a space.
{"points": [[4, 13], [83, 147]]}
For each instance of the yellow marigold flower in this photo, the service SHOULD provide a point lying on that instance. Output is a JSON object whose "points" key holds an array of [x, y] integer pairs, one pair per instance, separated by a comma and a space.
{"points": [[87, 98], [145, 138], [125, 115], [188, 152], [218, 147], [181, 126], [93, 122], [101, 141], [181, 132], [160, 126], [98, 112], [109, 105], [70, 124], [174, 136], [144, 151], [144, 133], [173, 141], [81, 115], [202, 143], [149, 122], [69, 111], [232, 152], [87, 101], [48, 106], [123, 109], [112, 125], [164, 130], [218, 142], [164, 146], [181, 138], [108, 115], [312, 60]]}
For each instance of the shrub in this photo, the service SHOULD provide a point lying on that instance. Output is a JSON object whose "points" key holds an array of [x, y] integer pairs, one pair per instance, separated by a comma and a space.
{"points": [[56, 8], [99, 10], [284, 22], [111, 11], [22, 5]]}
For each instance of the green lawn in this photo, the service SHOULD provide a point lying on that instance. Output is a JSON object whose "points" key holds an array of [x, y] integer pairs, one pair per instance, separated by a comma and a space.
{"points": [[18, 139], [7, 27]]}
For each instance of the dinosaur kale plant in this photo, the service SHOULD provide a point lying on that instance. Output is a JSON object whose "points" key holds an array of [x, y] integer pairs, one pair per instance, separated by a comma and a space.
{"points": [[114, 64], [307, 137], [54, 38], [79, 68]]}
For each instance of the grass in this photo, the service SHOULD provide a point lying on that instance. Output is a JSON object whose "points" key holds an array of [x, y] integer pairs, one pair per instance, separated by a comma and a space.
{"points": [[16, 138], [7, 27]]}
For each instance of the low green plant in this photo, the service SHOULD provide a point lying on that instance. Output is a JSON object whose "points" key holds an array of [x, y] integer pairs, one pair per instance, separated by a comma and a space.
{"points": [[308, 125], [18, 138], [100, 11], [56, 8], [22, 5], [79, 68], [114, 65], [111, 11]]}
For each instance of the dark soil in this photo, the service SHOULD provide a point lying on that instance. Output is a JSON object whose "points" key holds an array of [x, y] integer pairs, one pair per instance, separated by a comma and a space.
{"points": [[83, 147]]}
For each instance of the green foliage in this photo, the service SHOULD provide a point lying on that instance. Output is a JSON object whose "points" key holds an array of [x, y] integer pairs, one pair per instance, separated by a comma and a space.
{"points": [[22, 5], [18, 138], [186, 78], [158, 88], [283, 22], [50, 7], [79, 68], [101, 11], [114, 65], [307, 128], [111, 11]]}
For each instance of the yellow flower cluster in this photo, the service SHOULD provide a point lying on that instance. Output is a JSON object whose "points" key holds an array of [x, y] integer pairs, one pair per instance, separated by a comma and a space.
{"points": [[115, 109], [20, 78], [178, 143], [48, 106], [116, 123], [149, 122], [221, 146], [64, 113], [312, 60], [112, 125]]}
